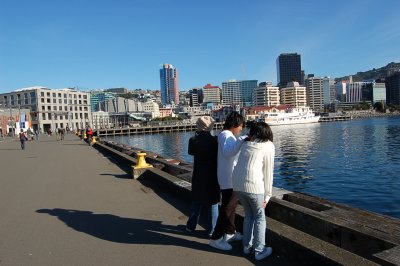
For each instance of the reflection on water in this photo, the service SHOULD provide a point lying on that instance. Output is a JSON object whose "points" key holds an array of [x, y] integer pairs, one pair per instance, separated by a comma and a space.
{"points": [[353, 162]]}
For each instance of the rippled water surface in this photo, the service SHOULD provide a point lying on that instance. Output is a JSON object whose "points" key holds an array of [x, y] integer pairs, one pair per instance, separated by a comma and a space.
{"points": [[352, 162]]}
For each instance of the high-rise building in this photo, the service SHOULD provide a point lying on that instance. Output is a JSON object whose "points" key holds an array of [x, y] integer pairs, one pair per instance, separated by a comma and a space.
{"points": [[195, 97], [293, 95], [211, 94], [169, 85], [393, 89], [266, 95], [238, 93], [329, 91], [315, 93], [288, 69], [374, 92]]}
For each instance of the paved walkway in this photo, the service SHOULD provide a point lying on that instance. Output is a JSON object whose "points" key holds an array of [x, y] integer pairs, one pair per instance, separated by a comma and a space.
{"points": [[64, 203]]}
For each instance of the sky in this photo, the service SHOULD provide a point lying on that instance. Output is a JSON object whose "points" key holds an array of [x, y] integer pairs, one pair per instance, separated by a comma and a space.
{"points": [[100, 44]]}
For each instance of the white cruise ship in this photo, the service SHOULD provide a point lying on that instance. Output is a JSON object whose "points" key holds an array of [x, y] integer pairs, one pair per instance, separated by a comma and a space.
{"points": [[298, 115]]}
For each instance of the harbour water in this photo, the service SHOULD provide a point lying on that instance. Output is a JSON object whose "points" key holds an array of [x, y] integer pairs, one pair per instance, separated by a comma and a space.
{"points": [[356, 162]]}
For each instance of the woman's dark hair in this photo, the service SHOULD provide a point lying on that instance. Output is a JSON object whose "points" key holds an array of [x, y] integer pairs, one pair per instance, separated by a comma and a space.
{"points": [[234, 119], [261, 131]]}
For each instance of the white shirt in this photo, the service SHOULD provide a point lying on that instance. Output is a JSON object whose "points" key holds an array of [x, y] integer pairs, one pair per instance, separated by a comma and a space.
{"points": [[228, 148], [255, 168]]}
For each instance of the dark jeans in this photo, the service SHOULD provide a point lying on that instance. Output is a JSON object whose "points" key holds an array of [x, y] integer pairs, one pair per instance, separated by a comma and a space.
{"points": [[226, 217], [195, 211], [22, 144]]}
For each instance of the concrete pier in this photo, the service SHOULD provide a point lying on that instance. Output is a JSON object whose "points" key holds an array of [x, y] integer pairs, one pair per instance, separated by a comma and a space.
{"points": [[66, 203], [308, 230]]}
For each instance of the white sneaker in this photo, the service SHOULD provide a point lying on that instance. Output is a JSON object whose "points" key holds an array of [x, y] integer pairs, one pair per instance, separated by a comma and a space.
{"points": [[263, 254], [233, 237], [220, 244], [247, 250]]}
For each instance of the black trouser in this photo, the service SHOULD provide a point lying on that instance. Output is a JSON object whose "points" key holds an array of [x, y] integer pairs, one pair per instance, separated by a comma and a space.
{"points": [[226, 217]]}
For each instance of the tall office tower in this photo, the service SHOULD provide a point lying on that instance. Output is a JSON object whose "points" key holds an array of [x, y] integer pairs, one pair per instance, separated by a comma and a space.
{"points": [[315, 93], [329, 91], [212, 94], [288, 69], [169, 85], [195, 97], [393, 89], [374, 92], [340, 90], [293, 95], [266, 95], [238, 92]]}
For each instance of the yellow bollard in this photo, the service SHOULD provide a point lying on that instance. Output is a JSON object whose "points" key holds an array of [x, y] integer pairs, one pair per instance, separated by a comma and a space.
{"points": [[141, 161], [93, 140]]}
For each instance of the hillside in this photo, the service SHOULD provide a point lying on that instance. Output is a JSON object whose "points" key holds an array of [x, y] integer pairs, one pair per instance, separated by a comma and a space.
{"points": [[375, 73]]}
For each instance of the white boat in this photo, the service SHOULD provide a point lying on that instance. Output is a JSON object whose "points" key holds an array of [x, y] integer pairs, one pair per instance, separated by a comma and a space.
{"points": [[290, 116]]}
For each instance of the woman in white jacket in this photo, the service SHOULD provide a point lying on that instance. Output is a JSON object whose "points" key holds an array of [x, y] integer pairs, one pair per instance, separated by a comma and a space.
{"points": [[252, 182]]}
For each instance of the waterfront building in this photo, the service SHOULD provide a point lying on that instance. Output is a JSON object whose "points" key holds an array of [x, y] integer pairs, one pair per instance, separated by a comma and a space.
{"points": [[97, 99], [315, 93], [169, 84], [392, 83], [329, 91], [354, 92], [51, 108], [14, 119], [166, 112], [152, 108], [211, 94], [340, 90], [293, 95], [374, 92], [100, 120], [288, 69], [238, 93], [266, 95], [123, 105]]}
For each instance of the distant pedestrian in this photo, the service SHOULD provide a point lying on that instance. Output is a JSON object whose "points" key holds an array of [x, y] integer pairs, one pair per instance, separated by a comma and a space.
{"points": [[22, 139], [228, 148], [61, 132], [205, 189], [37, 134], [252, 181], [89, 134]]}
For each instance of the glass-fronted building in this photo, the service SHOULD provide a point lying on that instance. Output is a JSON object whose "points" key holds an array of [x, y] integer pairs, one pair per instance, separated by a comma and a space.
{"points": [[289, 69], [169, 85], [238, 92]]}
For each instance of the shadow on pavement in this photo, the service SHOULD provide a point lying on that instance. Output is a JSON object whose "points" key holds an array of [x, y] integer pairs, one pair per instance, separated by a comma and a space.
{"points": [[125, 230], [123, 176]]}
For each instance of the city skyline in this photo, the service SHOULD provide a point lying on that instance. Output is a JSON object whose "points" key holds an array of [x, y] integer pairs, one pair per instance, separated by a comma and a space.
{"points": [[124, 43]]}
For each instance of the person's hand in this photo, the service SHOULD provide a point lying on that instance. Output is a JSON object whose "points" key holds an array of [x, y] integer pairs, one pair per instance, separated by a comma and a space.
{"points": [[264, 204]]}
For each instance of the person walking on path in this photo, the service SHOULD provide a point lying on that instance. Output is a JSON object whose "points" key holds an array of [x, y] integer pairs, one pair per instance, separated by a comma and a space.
{"points": [[252, 181], [62, 133], [22, 139], [89, 134], [228, 148], [205, 189]]}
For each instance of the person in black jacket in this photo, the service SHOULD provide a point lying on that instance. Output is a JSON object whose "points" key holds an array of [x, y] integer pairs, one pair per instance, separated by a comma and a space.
{"points": [[205, 189]]}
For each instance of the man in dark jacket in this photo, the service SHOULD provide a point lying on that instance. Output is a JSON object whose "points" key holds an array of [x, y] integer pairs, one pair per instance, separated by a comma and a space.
{"points": [[205, 189]]}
